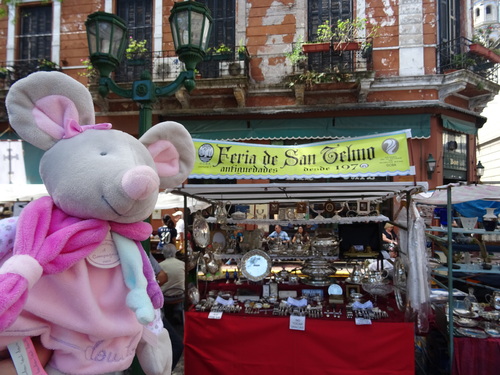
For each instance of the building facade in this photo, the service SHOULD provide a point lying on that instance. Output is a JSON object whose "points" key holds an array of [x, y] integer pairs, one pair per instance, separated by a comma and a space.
{"points": [[487, 17], [413, 68]]}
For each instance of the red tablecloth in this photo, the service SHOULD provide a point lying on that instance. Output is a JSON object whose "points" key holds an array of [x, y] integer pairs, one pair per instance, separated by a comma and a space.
{"points": [[473, 356], [250, 345]]}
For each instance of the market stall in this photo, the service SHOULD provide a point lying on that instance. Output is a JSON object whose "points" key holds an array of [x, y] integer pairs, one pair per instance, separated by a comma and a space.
{"points": [[255, 309], [473, 332]]}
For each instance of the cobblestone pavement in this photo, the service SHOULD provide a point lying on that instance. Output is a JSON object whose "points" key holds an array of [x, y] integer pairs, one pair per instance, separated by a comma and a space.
{"points": [[179, 369]]}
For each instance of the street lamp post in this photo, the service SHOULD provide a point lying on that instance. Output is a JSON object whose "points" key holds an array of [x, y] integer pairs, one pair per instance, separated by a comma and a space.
{"points": [[191, 24]]}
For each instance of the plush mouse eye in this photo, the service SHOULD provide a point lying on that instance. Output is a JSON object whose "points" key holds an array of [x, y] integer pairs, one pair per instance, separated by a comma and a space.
{"points": [[103, 153]]}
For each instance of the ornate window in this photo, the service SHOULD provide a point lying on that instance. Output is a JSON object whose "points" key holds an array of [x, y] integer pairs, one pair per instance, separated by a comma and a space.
{"points": [[35, 32], [317, 13], [138, 15]]}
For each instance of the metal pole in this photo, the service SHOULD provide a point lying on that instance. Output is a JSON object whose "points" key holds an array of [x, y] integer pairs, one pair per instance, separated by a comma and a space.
{"points": [[450, 277]]}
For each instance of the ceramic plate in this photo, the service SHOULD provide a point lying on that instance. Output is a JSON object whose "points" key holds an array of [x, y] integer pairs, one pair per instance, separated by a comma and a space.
{"points": [[472, 332]]}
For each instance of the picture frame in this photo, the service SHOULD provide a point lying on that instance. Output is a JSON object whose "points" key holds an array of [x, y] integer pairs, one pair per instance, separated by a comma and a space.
{"points": [[274, 208], [363, 207], [351, 288]]}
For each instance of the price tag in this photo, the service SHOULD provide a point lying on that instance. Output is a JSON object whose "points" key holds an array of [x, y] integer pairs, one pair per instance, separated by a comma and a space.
{"points": [[298, 323], [363, 321], [215, 315]]}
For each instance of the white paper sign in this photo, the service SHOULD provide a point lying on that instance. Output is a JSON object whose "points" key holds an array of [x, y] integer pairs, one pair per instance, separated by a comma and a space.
{"points": [[298, 323], [363, 321], [215, 315]]}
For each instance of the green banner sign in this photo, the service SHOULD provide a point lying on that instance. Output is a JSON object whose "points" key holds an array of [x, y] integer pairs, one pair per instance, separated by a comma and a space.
{"points": [[382, 155]]}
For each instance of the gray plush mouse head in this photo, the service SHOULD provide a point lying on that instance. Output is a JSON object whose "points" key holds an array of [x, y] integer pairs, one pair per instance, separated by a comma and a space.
{"points": [[90, 170]]}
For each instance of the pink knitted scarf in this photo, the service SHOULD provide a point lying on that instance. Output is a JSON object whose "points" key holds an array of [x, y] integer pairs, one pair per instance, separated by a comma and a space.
{"points": [[48, 241]]}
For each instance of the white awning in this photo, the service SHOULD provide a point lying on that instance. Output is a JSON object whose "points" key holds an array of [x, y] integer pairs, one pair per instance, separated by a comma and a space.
{"points": [[313, 192]]}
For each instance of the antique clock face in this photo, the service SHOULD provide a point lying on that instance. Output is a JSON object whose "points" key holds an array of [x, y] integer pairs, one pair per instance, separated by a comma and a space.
{"points": [[256, 265]]}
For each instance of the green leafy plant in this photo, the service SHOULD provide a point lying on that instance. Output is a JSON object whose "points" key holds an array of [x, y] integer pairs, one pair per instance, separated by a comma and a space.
{"points": [[90, 72], [136, 49], [483, 37], [324, 33], [462, 61], [310, 78], [241, 47], [351, 30], [296, 56], [44, 64], [221, 49]]}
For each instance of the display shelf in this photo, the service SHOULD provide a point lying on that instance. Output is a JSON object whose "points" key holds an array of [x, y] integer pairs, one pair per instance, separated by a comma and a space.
{"points": [[462, 230], [276, 256], [333, 220]]}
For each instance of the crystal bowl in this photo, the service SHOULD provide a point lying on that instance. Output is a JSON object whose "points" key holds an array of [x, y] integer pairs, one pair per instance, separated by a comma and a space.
{"points": [[468, 222]]}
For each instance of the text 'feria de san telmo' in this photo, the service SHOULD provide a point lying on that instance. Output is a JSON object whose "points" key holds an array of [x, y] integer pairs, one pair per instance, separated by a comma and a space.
{"points": [[382, 155]]}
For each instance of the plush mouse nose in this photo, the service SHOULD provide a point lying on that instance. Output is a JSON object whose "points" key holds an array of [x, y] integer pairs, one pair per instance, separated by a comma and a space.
{"points": [[140, 182]]}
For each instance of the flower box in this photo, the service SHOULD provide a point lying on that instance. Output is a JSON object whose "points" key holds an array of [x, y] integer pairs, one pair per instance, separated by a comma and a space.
{"points": [[349, 46], [315, 47], [484, 52]]}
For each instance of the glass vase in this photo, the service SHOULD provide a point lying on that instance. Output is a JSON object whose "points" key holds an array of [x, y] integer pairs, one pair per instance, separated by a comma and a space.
{"points": [[490, 219]]}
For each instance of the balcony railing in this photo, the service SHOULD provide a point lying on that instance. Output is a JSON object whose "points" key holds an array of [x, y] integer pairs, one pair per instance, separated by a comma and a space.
{"points": [[456, 54], [340, 61], [15, 70], [164, 66]]}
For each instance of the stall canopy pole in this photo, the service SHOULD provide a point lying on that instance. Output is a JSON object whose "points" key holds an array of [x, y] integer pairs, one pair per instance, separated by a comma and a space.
{"points": [[450, 278]]}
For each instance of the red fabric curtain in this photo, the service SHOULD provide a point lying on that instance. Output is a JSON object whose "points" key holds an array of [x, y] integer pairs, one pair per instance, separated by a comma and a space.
{"points": [[249, 345]]}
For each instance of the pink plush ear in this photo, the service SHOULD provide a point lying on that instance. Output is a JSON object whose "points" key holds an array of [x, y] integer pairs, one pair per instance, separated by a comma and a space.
{"points": [[166, 157], [52, 112]]}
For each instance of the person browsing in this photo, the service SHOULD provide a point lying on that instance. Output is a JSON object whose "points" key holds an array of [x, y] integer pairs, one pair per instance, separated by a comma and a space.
{"points": [[167, 233], [279, 234], [389, 237], [179, 226], [300, 236]]}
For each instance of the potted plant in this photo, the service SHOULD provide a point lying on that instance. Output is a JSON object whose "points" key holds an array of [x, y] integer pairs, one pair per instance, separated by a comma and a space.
{"points": [[324, 36], [4, 72], [483, 44], [347, 34], [136, 52], [242, 51], [222, 52], [47, 65], [296, 56]]}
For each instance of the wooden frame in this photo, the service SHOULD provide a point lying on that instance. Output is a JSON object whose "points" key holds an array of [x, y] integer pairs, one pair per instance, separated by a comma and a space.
{"points": [[363, 207]]}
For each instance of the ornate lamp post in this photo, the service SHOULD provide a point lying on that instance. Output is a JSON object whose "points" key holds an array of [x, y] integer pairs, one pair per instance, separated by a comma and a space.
{"points": [[191, 24]]}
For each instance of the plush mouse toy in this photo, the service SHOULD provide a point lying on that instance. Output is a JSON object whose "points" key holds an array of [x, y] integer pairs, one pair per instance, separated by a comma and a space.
{"points": [[77, 276]]}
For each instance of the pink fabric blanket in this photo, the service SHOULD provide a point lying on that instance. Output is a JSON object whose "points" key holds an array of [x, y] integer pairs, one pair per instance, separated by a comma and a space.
{"points": [[48, 241]]}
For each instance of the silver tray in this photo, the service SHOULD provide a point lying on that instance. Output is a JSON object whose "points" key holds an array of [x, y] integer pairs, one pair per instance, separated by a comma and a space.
{"points": [[201, 231], [466, 322], [492, 332]]}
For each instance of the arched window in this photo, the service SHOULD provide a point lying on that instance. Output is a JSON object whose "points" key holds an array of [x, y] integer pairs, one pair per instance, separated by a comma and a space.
{"points": [[477, 12], [488, 9]]}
